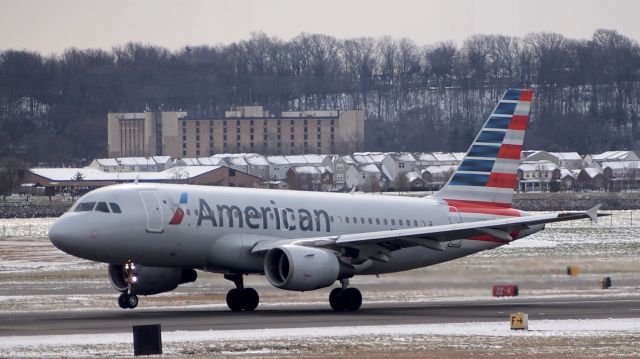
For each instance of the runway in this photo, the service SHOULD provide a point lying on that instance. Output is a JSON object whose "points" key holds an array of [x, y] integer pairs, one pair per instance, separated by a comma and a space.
{"points": [[305, 316]]}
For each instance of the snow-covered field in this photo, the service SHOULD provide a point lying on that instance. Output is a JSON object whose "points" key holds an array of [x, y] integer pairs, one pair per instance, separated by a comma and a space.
{"points": [[573, 338], [36, 276]]}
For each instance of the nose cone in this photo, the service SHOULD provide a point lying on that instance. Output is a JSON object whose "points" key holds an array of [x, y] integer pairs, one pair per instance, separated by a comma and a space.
{"points": [[71, 234], [60, 235]]}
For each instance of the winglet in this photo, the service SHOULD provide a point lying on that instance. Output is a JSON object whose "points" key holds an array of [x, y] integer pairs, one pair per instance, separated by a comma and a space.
{"points": [[593, 213]]}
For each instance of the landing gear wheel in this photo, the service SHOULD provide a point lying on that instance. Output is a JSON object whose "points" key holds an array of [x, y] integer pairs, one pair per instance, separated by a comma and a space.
{"points": [[335, 299], [123, 302], [127, 301], [345, 300], [351, 299], [233, 300], [245, 299], [250, 299], [133, 301]]}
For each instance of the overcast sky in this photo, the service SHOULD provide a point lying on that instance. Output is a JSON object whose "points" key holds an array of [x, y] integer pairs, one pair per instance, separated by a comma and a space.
{"points": [[50, 26]]}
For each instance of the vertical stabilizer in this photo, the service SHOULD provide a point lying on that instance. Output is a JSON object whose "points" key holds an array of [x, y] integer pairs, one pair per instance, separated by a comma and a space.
{"points": [[487, 174]]}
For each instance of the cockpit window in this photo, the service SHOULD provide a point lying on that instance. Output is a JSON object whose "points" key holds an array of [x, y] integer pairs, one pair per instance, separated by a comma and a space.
{"points": [[114, 207], [102, 207], [85, 207]]}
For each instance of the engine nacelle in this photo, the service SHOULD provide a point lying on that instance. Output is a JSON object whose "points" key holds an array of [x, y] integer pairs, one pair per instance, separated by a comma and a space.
{"points": [[148, 280], [300, 268]]}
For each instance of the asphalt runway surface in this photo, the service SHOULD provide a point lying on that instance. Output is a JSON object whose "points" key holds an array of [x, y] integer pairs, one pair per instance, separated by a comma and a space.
{"points": [[315, 315]]}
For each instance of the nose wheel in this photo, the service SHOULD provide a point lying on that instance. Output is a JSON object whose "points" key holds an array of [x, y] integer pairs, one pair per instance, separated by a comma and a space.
{"points": [[345, 299], [127, 301], [241, 298]]}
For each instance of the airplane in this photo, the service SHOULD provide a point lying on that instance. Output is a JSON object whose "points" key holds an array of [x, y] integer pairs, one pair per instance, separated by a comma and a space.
{"points": [[155, 236]]}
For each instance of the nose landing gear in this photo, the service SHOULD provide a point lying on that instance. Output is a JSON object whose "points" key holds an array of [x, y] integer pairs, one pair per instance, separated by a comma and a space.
{"points": [[241, 298], [128, 300]]}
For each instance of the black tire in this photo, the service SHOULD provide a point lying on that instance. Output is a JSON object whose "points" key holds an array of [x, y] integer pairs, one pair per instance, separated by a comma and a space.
{"points": [[123, 301], [351, 299], [234, 301], [250, 299], [132, 301], [335, 300]]}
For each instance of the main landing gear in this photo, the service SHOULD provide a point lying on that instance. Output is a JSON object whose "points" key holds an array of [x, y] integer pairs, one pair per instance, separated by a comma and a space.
{"points": [[345, 299], [241, 298]]}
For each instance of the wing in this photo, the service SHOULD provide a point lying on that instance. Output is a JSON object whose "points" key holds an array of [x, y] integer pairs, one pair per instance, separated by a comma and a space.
{"points": [[500, 230]]}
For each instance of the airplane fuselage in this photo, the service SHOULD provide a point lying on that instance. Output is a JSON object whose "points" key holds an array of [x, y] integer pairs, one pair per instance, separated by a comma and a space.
{"points": [[220, 226]]}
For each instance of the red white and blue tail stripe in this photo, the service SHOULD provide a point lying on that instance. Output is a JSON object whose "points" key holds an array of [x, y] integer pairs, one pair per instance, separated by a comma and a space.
{"points": [[487, 175]]}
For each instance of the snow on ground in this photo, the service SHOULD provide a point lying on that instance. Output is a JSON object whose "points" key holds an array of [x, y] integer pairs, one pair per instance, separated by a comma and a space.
{"points": [[467, 336]]}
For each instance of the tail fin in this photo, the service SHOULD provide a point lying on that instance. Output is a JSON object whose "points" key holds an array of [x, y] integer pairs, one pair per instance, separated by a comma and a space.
{"points": [[487, 174]]}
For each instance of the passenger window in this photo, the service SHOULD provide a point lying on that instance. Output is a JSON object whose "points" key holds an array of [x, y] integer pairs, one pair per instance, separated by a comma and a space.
{"points": [[346, 219], [102, 207], [370, 222], [385, 221], [415, 223], [362, 220], [85, 207], [393, 222], [378, 221], [408, 222], [114, 207], [355, 220], [400, 222]]}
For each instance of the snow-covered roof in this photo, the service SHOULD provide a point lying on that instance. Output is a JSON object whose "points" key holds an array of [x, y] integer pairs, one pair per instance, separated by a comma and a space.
{"points": [[257, 160], [425, 156], [537, 166], [107, 162], [567, 156], [161, 159], [92, 174], [567, 173], [592, 171], [611, 155], [617, 165], [412, 176], [237, 161], [277, 160], [370, 168], [401, 156], [188, 161], [438, 169]]}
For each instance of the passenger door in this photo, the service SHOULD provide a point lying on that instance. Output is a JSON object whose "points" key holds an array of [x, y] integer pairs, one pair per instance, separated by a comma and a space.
{"points": [[154, 211]]}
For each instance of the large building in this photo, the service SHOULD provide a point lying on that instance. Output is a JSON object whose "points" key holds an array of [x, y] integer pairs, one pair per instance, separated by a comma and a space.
{"points": [[243, 129]]}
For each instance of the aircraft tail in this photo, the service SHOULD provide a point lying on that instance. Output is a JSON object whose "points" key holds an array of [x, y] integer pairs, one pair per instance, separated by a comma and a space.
{"points": [[486, 177]]}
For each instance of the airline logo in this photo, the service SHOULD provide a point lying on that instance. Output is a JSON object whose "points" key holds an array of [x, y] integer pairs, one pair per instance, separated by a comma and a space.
{"points": [[178, 215], [487, 175]]}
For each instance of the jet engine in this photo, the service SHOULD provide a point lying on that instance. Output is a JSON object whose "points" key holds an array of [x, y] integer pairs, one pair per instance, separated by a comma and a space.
{"points": [[294, 267], [148, 280]]}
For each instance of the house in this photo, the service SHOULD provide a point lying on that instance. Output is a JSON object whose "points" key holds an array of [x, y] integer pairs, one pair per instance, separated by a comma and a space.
{"points": [[568, 160], [568, 179], [365, 177], [394, 163], [309, 178], [258, 166], [340, 164], [436, 176], [592, 160], [621, 175], [591, 178], [278, 167], [538, 176]]}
